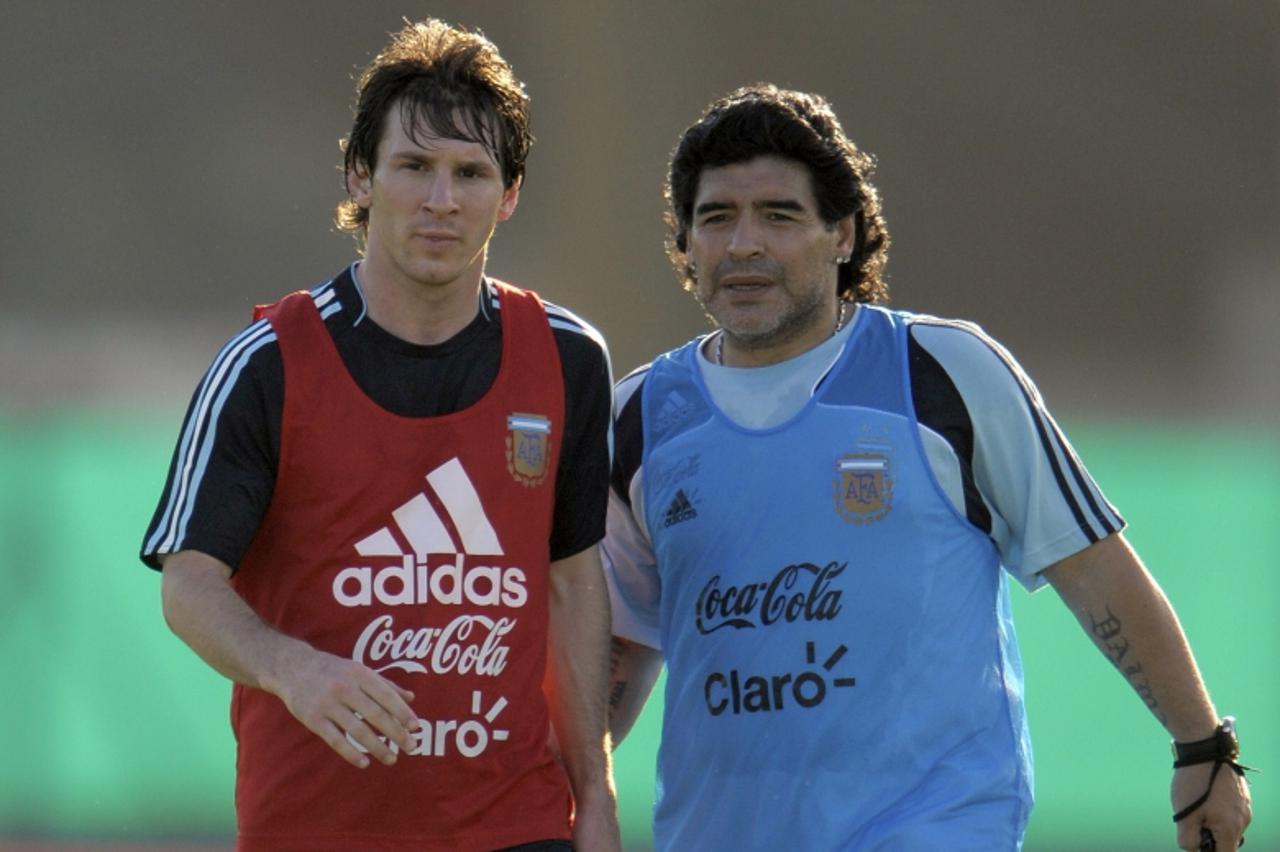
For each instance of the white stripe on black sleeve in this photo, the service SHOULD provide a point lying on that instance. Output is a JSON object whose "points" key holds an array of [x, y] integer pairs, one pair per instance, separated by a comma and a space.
{"points": [[200, 432], [1025, 468]]}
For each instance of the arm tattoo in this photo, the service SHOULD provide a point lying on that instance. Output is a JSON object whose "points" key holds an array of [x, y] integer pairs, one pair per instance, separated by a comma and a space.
{"points": [[1109, 633], [616, 692], [619, 687]]}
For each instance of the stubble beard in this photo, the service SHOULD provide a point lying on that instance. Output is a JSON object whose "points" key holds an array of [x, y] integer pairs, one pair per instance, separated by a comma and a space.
{"points": [[795, 318]]}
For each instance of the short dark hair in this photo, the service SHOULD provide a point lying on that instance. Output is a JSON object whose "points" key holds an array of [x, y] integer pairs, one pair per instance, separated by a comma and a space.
{"points": [[449, 80], [763, 120]]}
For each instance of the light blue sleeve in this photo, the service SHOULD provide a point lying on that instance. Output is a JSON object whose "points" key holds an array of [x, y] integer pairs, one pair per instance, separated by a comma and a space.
{"points": [[1044, 504], [630, 569]]}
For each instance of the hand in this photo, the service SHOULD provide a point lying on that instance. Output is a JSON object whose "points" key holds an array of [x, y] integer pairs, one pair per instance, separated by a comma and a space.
{"points": [[342, 701], [1226, 813], [595, 823]]}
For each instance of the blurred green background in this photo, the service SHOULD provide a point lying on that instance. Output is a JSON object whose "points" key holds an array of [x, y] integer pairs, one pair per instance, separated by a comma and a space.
{"points": [[117, 732]]}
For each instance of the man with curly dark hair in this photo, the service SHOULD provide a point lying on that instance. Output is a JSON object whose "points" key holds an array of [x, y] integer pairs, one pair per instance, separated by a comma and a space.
{"points": [[815, 510], [382, 517]]}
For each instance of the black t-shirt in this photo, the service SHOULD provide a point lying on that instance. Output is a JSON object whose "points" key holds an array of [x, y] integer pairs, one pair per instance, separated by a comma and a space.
{"points": [[224, 466]]}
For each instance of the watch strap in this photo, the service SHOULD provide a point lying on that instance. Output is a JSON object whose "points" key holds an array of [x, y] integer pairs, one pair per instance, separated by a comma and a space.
{"points": [[1222, 746]]}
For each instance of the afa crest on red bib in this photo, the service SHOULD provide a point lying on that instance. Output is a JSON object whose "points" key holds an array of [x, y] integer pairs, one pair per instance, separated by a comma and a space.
{"points": [[528, 443]]}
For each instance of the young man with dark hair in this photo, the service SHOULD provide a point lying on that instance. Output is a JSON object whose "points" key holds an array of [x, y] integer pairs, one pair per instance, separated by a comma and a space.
{"points": [[814, 511], [382, 514]]}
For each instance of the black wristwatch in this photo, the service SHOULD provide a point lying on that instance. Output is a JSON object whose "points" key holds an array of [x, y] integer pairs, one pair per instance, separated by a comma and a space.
{"points": [[1221, 746], [1221, 749]]}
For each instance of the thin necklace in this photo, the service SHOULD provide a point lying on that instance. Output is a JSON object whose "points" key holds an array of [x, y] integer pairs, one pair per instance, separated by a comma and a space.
{"points": [[720, 337]]}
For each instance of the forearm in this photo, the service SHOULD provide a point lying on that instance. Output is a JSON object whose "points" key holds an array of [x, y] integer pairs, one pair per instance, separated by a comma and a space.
{"points": [[634, 669], [203, 610], [578, 671], [1129, 619], [344, 703]]}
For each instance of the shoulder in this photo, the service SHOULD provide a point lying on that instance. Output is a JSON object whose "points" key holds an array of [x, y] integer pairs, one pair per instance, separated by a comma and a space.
{"points": [[628, 431], [628, 395], [572, 326], [578, 340], [252, 356], [979, 367], [330, 298], [950, 338], [581, 346], [967, 387], [338, 301], [627, 392], [250, 352], [1043, 504], [964, 345]]}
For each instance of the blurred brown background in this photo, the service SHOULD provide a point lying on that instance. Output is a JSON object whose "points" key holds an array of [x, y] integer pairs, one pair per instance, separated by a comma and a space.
{"points": [[1097, 183]]}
